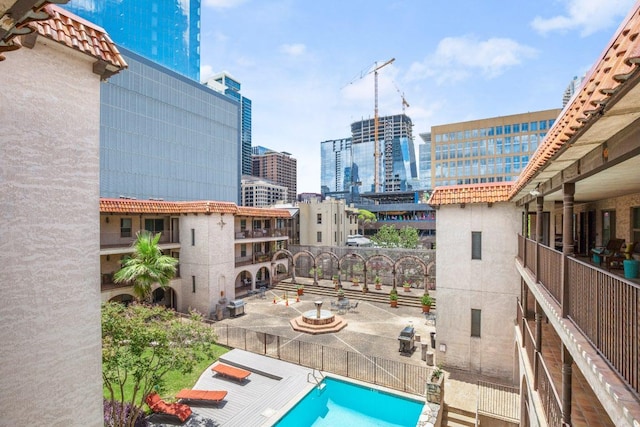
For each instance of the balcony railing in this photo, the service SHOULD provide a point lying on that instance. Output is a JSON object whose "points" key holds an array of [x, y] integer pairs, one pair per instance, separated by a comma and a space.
{"points": [[266, 232], [254, 259], [548, 394], [602, 305], [117, 238]]}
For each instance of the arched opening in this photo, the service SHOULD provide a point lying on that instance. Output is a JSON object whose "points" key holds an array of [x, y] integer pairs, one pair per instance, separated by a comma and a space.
{"points": [[262, 277], [243, 282], [380, 270], [125, 299], [411, 272], [165, 297]]}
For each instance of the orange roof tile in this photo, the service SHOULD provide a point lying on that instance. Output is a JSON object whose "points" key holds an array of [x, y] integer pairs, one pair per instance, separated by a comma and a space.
{"points": [[607, 77], [62, 26], [473, 193], [263, 212], [132, 206]]}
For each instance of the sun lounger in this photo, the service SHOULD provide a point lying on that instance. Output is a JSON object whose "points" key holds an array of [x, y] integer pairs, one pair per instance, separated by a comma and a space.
{"points": [[204, 395], [231, 371], [159, 406]]}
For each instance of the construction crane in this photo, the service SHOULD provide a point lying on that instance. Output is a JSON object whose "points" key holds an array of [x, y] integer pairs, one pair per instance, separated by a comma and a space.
{"points": [[376, 149], [405, 104]]}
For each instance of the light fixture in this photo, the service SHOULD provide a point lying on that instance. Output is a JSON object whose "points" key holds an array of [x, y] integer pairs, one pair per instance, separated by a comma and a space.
{"points": [[535, 192], [107, 220]]}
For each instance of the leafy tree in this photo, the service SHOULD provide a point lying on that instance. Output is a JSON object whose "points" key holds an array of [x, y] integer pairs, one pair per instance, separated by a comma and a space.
{"points": [[140, 344], [390, 237], [146, 266], [365, 217]]}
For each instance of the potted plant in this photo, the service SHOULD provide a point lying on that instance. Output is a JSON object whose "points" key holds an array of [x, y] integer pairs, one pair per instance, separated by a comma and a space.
{"points": [[378, 283], [435, 385], [340, 294], [393, 299], [426, 301], [335, 279], [300, 289], [355, 281], [407, 286]]}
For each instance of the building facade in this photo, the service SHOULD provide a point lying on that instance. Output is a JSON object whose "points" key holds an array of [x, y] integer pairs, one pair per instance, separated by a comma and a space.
{"points": [[575, 348], [424, 162], [50, 334], [487, 150], [224, 83], [327, 223], [348, 165], [164, 32], [278, 167], [164, 136], [259, 192]]}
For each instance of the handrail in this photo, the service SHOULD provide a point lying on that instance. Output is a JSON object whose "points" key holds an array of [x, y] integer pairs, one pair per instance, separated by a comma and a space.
{"points": [[312, 374]]}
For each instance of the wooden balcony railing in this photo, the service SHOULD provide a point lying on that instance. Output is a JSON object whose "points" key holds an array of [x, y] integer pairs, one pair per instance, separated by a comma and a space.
{"points": [[602, 305], [548, 394]]}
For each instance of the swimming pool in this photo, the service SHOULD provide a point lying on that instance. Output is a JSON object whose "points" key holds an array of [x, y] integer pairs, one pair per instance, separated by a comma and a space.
{"points": [[342, 403]]}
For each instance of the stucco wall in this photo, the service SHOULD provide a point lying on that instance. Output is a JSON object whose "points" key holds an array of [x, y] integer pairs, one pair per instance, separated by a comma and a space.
{"points": [[50, 372], [210, 260], [490, 284]]}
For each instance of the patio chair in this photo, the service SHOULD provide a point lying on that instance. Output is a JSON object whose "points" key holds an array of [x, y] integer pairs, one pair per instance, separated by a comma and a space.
{"points": [[159, 406], [213, 396], [232, 372], [613, 246], [353, 307]]}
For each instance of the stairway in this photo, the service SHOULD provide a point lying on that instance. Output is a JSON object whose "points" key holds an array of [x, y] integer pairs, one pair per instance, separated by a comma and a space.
{"points": [[405, 299], [454, 417]]}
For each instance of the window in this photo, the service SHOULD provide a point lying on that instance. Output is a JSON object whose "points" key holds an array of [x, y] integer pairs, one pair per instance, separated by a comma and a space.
{"points": [[243, 224], [319, 237], [318, 218], [608, 226], [243, 250], [154, 225], [475, 322], [193, 237], [476, 245], [635, 225], [193, 284], [125, 227]]}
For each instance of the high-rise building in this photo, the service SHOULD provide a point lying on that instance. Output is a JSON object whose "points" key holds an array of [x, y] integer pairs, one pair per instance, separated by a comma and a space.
{"points": [[424, 161], [348, 165], [226, 84], [486, 150], [278, 167], [571, 89], [166, 32], [260, 192], [159, 140]]}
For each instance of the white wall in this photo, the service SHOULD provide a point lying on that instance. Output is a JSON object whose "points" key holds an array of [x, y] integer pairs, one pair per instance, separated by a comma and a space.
{"points": [[490, 284], [50, 356]]}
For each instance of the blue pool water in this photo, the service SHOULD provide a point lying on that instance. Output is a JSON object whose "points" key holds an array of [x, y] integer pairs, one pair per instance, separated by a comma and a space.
{"points": [[342, 403]]}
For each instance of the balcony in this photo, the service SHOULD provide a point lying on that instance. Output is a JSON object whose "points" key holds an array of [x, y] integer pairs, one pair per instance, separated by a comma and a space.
{"points": [[277, 233], [114, 242], [595, 312], [254, 259]]}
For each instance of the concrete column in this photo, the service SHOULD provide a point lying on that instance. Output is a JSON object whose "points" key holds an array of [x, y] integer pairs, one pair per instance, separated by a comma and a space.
{"points": [[525, 221], [567, 361], [568, 191], [539, 211]]}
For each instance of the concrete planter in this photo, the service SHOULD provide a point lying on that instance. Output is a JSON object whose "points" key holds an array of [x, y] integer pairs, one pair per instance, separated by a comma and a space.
{"points": [[435, 390]]}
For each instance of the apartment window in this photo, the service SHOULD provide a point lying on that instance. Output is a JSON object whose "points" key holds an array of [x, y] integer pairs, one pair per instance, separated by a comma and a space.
{"points": [[318, 218], [193, 284], [335, 218], [125, 227], [635, 225], [243, 250], [243, 224], [475, 322], [319, 237], [154, 225], [476, 245], [193, 237], [608, 226]]}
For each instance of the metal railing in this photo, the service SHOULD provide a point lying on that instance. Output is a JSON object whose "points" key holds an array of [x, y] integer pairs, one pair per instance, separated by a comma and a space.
{"points": [[498, 401], [602, 305], [375, 370], [548, 395]]}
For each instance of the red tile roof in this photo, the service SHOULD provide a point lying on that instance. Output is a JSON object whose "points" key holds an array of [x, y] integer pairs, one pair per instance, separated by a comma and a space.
{"points": [[473, 193], [263, 212], [132, 206], [62, 26], [606, 79]]}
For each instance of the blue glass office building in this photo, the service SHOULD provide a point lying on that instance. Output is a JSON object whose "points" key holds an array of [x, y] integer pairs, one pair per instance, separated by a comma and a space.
{"points": [[166, 136], [166, 32], [347, 165]]}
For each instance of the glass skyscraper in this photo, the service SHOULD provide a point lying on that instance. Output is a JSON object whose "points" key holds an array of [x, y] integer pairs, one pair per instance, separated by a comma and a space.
{"points": [[348, 165], [166, 32]]}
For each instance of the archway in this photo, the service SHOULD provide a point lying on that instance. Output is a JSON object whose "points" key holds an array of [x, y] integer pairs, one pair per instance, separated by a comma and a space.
{"points": [[276, 261], [304, 264], [243, 282], [165, 297], [353, 267], [380, 270], [125, 299], [411, 270]]}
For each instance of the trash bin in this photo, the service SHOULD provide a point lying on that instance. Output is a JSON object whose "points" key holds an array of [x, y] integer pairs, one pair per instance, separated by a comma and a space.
{"points": [[630, 268], [433, 339]]}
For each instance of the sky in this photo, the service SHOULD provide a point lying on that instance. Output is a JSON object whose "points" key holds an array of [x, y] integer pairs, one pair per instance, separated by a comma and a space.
{"points": [[307, 65]]}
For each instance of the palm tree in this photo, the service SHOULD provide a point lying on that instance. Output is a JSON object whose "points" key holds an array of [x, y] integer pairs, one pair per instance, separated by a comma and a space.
{"points": [[146, 266]]}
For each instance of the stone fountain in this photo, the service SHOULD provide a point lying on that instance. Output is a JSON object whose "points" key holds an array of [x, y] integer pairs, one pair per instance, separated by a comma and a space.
{"points": [[318, 321]]}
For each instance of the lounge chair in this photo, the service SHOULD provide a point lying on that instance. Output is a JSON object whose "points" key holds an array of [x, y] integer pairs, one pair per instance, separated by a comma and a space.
{"points": [[231, 371], [215, 396], [157, 405]]}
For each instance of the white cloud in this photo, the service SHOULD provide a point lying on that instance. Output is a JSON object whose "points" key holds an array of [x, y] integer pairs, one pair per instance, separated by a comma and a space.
{"points": [[587, 16], [458, 58], [223, 4], [295, 49], [206, 71]]}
